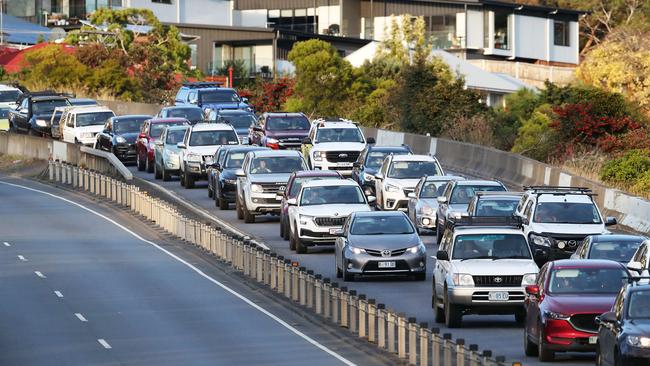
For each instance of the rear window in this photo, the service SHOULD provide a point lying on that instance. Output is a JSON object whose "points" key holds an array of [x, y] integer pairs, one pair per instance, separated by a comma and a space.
{"points": [[8, 96], [287, 123], [158, 128], [621, 251], [413, 169], [499, 207], [491, 246], [462, 194], [128, 125], [93, 119]]}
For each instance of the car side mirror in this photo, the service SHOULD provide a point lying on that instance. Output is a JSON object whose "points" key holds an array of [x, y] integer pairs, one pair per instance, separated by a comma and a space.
{"points": [[371, 141], [240, 173], [532, 290], [539, 254], [610, 221], [379, 176], [525, 221], [306, 141], [216, 166], [442, 199], [372, 199], [181, 145], [412, 195], [356, 165], [607, 318], [244, 100], [292, 202], [635, 266], [442, 255]]}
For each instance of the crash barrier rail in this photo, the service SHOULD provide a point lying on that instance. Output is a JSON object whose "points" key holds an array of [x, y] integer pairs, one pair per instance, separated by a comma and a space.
{"points": [[396, 333]]}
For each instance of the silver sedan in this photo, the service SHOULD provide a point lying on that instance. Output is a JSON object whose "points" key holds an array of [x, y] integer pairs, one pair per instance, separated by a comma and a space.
{"points": [[423, 203]]}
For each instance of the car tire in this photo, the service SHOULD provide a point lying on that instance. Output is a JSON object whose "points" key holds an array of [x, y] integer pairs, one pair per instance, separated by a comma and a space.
{"points": [[210, 191], [520, 316], [292, 241], [140, 164], [530, 348], [157, 174], [300, 247], [543, 353], [149, 165], [421, 276], [339, 273], [166, 177], [438, 312], [189, 181], [282, 227], [286, 229], [453, 315], [182, 176], [599, 357], [438, 234], [223, 204], [249, 218], [240, 215]]}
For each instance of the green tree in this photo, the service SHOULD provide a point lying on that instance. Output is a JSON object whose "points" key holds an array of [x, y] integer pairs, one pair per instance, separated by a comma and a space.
{"points": [[51, 67], [536, 138]]}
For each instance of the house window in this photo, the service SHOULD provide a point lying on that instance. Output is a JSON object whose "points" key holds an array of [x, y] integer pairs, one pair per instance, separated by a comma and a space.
{"points": [[162, 1], [217, 58], [442, 30], [501, 30], [193, 53], [561, 33], [301, 20]]}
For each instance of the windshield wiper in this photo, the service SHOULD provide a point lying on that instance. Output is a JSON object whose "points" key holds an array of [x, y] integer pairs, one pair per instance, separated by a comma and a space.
{"points": [[480, 257], [512, 257]]}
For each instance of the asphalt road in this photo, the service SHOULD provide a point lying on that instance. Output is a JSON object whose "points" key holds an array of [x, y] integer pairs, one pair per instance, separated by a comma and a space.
{"points": [[78, 289], [501, 334]]}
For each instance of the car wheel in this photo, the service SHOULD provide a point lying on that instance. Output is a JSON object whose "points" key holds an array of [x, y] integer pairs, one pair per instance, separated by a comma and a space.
{"points": [[530, 348], [166, 177], [439, 313], [223, 204], [249, 218], [210, 191], [286, 229], [240, 215], [182, 179], [300, 247], [140, 164], [438, 234], [149, 165], [347, 276], [599, 357], [292, 241], [157, 174], [421, 276], [189, 181], [453, 315], [282, 227], [618, 360], [543, 353]]}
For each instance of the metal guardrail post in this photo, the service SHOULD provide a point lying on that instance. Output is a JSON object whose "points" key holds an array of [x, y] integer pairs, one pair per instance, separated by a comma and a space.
{"points": [[474, 357], [295, 290], [245, 253], [338, 296], [91, 182], [381, 326], [460, 352], [363, 312], [287, 278], [447, 348], [390, 330], [57, 172], [486, 357], [309, 288], [280, 274], [266, 266], [259, 262], [69, 181], [353, 311], [401, 336], [50, 170], [424, 344], [436, 347], [318, 294], [372, 321], [75, 177], [302, 286], [413, 329], [273, 271], [327, 299]]}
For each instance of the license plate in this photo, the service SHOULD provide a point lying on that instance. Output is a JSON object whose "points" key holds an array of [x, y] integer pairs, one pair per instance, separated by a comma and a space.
{"points": [[498, 296], [343, 164], [386, 265], [593, 339], [334, 230]]}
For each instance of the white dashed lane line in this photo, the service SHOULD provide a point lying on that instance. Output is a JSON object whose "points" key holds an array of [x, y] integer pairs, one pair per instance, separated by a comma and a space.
{"points": [[80, 317], [104, 343], [39, 274], [6, 244], [22, 258], [58, 294]]}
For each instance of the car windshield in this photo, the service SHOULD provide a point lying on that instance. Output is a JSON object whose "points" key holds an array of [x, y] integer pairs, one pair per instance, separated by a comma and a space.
{"points": [[238, 121], [158, 128], [234, 160], [9, 96], [190, 114], [639, 305], [175, 136], [376, 158], [586, 280], [381, 225], [331, 195], [412, 169], [209, 138], [567, 213], [432, 189], [298, 182], [619, 251], [462, 194], [287, 123], [339, 135], [219, 96], [92, 119], [128, 125], [277, 165], [496, 207], [491, 246], [47, 106]]}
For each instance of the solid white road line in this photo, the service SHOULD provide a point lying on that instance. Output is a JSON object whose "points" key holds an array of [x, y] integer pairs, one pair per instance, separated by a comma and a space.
{"points": [[6, 244], [22, 258], [39, 274], [80, 317], [199, 272], [104, 343], [58, 293]]}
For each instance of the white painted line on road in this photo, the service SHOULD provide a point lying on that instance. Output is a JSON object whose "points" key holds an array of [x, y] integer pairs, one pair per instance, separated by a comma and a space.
{"points": [[39, 274], [6, 244], [104, 343], [22, 258], [58, 293], [80, 317], [198, 271]]}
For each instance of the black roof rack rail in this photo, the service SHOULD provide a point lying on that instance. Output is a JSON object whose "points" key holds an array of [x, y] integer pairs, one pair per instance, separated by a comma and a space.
{"points": [[483, 221], [558, 190], [498, 193], [203, 84]]}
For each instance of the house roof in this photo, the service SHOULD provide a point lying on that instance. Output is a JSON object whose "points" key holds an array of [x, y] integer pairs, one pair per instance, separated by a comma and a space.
{"points": [[14, 61], [18, 31]]}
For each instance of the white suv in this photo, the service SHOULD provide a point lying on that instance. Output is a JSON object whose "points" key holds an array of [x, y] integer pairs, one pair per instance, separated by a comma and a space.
{"points": [[398, 176], [482, 267], [198, 148], [320, 209], [557, 219], [83, 123], [334, 145]]}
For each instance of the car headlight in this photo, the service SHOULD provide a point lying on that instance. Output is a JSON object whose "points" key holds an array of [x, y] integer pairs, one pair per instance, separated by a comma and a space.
{"points": [[540, 240], [41, 122], [418, 248], [244, 140], [529, 279], [636, 341], [257, 188], [87, 135], [463, 279], [556, 316], [426, 210], [305, 219], [356, 250], [195, 158], [457, 214], [271, 141], [368, 177], [392, 188], [319, 155], [120, 140]]}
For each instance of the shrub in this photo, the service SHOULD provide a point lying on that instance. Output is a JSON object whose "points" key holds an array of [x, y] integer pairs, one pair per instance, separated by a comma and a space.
{"points": [[475, 129], [628, 168], [536, 138], [642, 185]]}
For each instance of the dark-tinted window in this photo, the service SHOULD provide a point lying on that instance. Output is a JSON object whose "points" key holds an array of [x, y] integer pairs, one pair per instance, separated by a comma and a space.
{"points": [[561, 33], [208, 138], [9, 95], [462, 194], [620, 251], [567, 213], [277, 165], [219, 96], [127, 125], [381, 225], [287, 123], [586, 280], [412, 169], [496, 207], [639, 304], [190, 114], [376, 158], [238, 121], [493, 246], [47, 106], [158, 128], [91, 119], [235, 160]]}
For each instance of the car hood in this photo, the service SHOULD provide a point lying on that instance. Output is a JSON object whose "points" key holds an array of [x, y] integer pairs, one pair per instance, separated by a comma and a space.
{"points": [[332, 210], [431, 202], [45, 116], [502, 267], [579, 303], [638, 327], [339, 146], [380, 242], [203, 150], [403, 183], [270, 178], [457, 207], [93, 129], [228, 174], [284, 134], [130, 137], [569, 228]]}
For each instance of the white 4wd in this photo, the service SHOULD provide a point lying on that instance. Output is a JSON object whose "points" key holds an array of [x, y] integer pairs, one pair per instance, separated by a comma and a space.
{"points": [[320, 209], [398, 176], [557, 219], [335, 145], [198, 148], [482, 267], [83, 123]]}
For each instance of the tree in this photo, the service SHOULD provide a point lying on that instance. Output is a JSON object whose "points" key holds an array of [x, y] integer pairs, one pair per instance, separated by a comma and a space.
{"points": [[406, 35], [536, 139], [52, 67]]}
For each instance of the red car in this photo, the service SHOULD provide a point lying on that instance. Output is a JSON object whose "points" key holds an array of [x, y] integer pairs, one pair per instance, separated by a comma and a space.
{"points": [[149, 133], [293, 188], [561, 308]]}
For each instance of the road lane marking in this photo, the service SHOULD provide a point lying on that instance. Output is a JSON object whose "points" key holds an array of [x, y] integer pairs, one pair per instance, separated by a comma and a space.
{"points": [[104, 343], [22, 258], [6, 244], [58, 293], [199, 272], [39, 274], [80, 317]]}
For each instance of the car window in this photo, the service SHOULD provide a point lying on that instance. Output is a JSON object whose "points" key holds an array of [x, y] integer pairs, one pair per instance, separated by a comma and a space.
{"points": [[219, 96], [639, 305], [527, 211], [238, 121], [432, 189], [496, 207], [127, 125], [412, 169], [234, 160], [190, 114], [495, 246], [182, 95], [47, 106], [9, 95], [324, 195], [210, 138], [381, 225], [587, 280], [157, 128], [93, 119], [276, 165], [567, 213], [619, 251], [287, 123], [339, 135], [299, 181], [462, 194], [174, 136]]}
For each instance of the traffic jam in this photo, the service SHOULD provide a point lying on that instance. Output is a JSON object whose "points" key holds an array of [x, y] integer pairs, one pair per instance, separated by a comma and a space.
{"points": [[545, 254]]}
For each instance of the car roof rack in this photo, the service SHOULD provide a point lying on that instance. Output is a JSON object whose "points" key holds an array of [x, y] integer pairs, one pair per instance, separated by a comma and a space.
{"points": [[558, 190], [203, 84], [498, 193], [486, 221]]}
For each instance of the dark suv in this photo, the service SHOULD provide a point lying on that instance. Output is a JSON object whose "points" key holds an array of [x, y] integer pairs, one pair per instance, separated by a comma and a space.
{"points": [[210, 96], [280, 131], [34, 112]]}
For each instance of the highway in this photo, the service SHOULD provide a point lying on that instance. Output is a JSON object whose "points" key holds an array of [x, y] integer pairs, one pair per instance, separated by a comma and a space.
{"points": [[84, 283], [501, 334]]}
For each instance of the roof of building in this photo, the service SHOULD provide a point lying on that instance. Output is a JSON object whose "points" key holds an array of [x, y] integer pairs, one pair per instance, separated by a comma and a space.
{"points": [[13, 61], [18, 31]]}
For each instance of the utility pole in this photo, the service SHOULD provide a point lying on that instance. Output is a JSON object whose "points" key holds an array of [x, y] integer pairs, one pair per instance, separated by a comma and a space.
{"points": [[2, 29]]}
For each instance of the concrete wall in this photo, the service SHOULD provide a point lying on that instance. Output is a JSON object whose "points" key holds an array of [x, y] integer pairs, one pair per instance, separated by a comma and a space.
{"points": [[529, 73]]}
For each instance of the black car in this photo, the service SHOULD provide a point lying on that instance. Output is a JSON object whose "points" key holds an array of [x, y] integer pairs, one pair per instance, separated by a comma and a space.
{"points": [[34, 113], [222, 181], [191, 113], [624, 332], [240, 119], [616, 247], [120, 134], [369, 162]]}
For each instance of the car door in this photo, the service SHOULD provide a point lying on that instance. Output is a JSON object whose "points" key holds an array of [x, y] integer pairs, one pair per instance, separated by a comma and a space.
{"points": [[442, 207], [68, 129], [442, 267], [341, 241], [379, 183], [412, 201], [608, 332], [532, 303], [141, 142], [21, 117], [105, 137]]}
